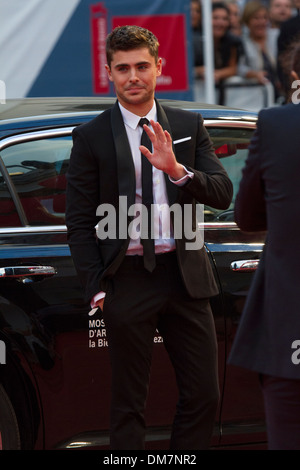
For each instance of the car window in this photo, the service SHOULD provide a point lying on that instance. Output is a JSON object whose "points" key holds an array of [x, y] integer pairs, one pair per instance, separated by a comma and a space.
{"points": [[37, 169], [231, 146]]}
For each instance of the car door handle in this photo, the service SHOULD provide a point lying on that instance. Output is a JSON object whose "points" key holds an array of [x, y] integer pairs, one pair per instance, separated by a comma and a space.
{"points": [[245, 266], [19, 272]]}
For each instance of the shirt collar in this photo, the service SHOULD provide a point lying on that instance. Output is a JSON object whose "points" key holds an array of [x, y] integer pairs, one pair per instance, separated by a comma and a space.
{"points": [[132, 120]]}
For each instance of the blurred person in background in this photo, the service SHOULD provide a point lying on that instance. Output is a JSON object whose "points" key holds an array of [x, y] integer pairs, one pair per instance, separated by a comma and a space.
{"points": [[226, 48], [257, 62], [235, 17], [196, 24], [279, 11], [268, 336], [195, 13]]}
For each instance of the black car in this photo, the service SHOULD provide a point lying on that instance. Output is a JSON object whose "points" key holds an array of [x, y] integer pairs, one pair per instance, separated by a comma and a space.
{"points": [[54, 366]]}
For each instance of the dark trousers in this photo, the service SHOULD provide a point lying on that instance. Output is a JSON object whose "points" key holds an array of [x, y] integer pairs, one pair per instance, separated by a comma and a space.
{"points": [[137, 303], [282, 406]]}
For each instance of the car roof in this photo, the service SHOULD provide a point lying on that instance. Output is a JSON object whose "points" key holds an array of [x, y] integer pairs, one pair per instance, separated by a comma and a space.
{"points": [[33, 113]]}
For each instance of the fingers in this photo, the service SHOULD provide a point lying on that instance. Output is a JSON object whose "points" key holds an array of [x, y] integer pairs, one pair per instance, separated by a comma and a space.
{"points": [[168, 137], [162, 156], [145, 151], [158, 135], [158, 131], [161, 145]]}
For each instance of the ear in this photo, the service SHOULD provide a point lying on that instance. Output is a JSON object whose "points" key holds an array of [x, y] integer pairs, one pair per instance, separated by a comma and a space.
{"points": [[108, 70], [159, 67]]}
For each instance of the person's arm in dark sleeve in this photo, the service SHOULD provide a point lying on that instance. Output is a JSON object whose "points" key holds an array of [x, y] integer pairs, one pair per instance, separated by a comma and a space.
{"points": [[250, 207], [81, 205]]}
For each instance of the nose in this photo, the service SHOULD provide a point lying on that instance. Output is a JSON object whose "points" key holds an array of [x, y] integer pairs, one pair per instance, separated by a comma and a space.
{"points": [[133, 76]]}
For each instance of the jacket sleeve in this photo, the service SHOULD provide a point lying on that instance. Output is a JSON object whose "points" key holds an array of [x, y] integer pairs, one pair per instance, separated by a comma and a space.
{"points": [[250, 206], [81, 204]]}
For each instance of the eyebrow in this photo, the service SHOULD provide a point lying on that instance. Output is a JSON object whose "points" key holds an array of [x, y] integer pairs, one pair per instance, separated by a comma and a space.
{"points": [[143, 62]]}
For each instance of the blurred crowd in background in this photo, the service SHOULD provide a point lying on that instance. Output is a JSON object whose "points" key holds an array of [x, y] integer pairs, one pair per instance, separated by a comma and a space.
{"points": [[252, 40]]}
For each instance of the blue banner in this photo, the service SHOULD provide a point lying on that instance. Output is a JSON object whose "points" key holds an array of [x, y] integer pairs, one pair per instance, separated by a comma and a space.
{"points": [[75, 64]]}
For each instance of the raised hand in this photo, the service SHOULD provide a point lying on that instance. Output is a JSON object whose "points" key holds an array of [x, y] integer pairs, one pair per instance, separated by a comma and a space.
{"points": [[162, 156]]}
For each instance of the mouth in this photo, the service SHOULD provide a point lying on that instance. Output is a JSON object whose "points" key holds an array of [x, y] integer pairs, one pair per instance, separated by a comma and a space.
{"points": [[134, 89], [219, 30]]}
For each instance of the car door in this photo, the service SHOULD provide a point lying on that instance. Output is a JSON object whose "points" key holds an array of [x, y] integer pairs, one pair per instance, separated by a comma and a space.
{"points": [[45, 319], [235, 257]]}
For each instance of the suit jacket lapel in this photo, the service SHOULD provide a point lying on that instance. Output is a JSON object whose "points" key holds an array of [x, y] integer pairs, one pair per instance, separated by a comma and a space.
{"points": [[125, 166], [172, 189]]}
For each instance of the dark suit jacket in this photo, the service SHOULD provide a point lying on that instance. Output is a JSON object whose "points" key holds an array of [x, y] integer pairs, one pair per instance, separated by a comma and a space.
{"points": [[269, 198], [101, 169]]}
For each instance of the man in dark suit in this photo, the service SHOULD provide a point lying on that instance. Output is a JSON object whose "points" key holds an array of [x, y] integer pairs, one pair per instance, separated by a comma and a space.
{"points": [[268, 337], [172, 293]]}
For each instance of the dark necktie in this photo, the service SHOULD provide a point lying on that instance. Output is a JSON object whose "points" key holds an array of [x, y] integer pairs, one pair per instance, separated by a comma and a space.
{"points": [[147, 200]]}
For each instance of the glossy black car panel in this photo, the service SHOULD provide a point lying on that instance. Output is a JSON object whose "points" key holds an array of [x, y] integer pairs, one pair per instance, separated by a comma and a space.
{"points": [[55, 375]]}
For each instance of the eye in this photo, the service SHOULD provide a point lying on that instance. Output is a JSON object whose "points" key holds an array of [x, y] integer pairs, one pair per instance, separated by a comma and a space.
{"points": [[122, 68]]}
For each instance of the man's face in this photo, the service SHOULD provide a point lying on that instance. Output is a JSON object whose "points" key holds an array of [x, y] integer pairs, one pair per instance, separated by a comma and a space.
{"points": [[134, 75], [280, 10]]}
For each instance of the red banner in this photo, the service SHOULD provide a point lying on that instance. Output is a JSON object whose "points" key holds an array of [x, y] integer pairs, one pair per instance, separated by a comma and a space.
{"points": [[98, 14], [171, 34]]}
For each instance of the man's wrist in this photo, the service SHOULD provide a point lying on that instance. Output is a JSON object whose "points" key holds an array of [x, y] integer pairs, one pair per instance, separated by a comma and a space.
{"points": [[178, 172], [188, 176], [97, 299]]}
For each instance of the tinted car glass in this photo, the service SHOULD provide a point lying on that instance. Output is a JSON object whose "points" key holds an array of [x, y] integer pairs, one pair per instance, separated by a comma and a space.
{"points": [[37, 169], [231, 146]]}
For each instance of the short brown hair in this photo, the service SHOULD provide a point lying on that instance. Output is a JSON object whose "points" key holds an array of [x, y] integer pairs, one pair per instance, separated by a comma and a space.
{"points": [[250, 9], [125, 38]]}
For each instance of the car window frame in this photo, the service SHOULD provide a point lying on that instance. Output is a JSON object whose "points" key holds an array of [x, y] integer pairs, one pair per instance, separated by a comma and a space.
{"points": [[226, 123], [67, 131], [19, 139]]}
